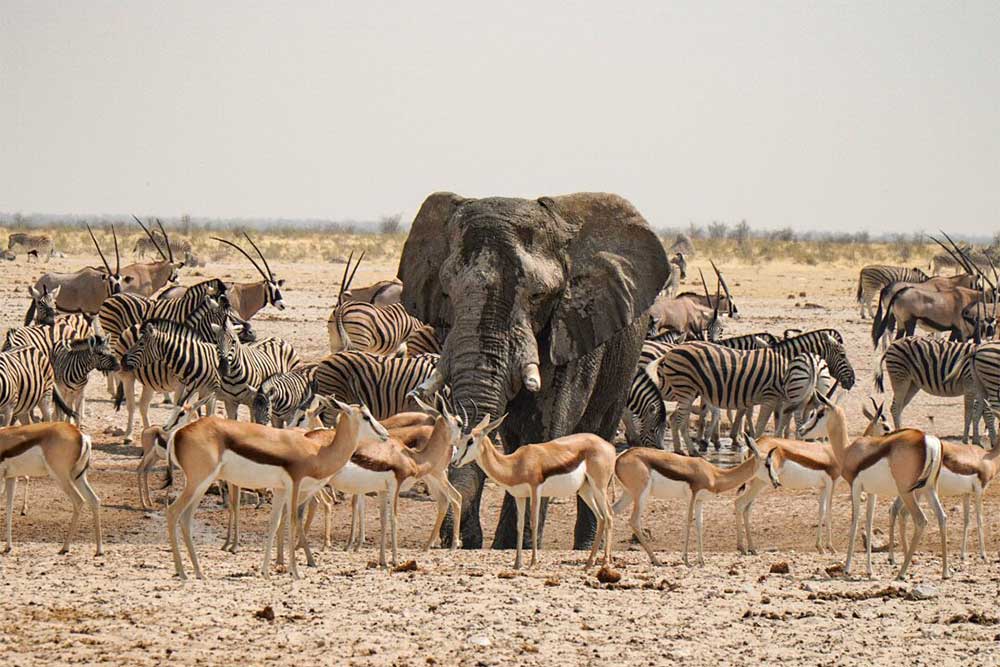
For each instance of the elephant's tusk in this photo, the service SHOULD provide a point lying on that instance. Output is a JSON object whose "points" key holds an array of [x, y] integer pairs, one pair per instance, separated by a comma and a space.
{"points": [[532, 379]]}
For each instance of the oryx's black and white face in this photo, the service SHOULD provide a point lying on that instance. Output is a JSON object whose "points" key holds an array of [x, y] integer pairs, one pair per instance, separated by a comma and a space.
{"points": [[274, 297]]}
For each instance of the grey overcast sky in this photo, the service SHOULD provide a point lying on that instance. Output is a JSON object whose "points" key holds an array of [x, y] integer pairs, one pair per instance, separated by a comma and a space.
{"points": [[863, 115]]}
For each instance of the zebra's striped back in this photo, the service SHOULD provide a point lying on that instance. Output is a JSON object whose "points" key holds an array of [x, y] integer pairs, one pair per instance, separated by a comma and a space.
{"points": [[423, 340], [280, 395], [120, 311], [723, 377], [43, 337], [381, 383], [363, 327], [938, 367], [876, 276], [25, 380], [156, 375], [751, 341], [188, 359]]}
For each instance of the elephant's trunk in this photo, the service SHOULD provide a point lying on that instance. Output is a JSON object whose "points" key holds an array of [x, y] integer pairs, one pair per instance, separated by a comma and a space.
{"points": [[478, 372]]}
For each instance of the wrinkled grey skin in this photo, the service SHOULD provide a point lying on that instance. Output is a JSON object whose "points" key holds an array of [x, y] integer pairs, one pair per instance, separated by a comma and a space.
{"points": [[561, 282]]}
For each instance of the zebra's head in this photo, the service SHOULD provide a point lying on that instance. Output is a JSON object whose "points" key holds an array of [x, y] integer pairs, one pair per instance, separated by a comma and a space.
{"points": [[45, 304], [260, 408], [835, 357], [227, 343], [146, 348], [104, 358]]}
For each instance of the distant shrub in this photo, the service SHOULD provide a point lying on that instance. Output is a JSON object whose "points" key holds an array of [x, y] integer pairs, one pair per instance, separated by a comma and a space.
{"points": [[390, 224]]}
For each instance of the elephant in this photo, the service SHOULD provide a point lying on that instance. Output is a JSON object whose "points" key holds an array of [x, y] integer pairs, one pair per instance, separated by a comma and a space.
{"points": [[544, 303]]}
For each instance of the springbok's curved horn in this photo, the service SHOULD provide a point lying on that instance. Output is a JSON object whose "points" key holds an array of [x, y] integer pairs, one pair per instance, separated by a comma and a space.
{"points": [[166, 240], [262, 258], [245, 254], [99, 252], [152, 238]]}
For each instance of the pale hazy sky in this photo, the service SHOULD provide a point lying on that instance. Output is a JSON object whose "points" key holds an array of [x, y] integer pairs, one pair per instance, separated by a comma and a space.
{"points": [[840, 115]]}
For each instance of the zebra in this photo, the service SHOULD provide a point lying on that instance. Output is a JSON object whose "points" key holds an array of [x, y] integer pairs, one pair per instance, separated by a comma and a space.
{"points": [[41, 244], [243, 368], [726, 378], [26, 382], [938, 367], [362, 327], [120, 311], [73, 360], [43, 336], [381, 383], [188, 363], [645, 415], [984, 366], [807, 375], [423, 340], [281, 395], [876, 276]]}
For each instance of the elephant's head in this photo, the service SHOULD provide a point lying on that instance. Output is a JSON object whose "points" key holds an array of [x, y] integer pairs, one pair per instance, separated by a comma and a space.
{"points": [[524, 286]]}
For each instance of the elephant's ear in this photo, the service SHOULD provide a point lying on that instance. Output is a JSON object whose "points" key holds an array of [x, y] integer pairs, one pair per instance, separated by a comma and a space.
{"points": [[424, 252], [616, 268]]}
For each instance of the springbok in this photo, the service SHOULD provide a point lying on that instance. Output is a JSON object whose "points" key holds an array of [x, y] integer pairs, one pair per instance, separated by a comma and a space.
{"points": [[903, 463], [646, 472], [256, 456], [801, 465], [154, 441], [56, 449], [966, 471], [581, 465]]}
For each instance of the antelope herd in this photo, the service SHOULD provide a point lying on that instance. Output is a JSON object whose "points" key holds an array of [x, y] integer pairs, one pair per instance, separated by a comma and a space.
{"points": [[374, 416]]}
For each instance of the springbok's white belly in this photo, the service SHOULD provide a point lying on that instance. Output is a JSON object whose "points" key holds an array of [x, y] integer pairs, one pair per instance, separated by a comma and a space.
{"points": [[796, 476], [951, 484], [664, 487], [248, 474], [28, 464], [352, 478], [556, 486], [878, 479]]}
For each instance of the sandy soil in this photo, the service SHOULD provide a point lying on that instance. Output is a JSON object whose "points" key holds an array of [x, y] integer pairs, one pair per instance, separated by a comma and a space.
{"points": [[469, 607]]}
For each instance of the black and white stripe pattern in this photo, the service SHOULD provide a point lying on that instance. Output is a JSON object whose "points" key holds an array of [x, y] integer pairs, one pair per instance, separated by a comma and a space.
{"points": [[736, 379], [362, 327], [43, 336], [121, 311], [243, 368], [423, 340], [280, 395], [985, 370], [73, 360], [26, 382], [381, 383], [873, 278], [190, 361], [645, 414], [940, 368]]}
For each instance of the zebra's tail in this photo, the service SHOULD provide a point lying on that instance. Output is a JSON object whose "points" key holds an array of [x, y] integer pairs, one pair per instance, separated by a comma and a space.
{"points": [[932, 463], [119, 396], [860, 277], [881, 323], [61, 404], [880, 374], [345, 339], [83, 461]]}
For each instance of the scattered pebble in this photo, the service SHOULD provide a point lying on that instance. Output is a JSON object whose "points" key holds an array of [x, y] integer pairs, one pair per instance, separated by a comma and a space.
{"points": [[780, 567], [265, 614], [608, 576]]}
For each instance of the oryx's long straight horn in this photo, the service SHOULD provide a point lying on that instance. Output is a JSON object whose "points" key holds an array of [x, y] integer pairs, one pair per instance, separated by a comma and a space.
{"points": [[166, 239], [959, 259], [262, 258], [99, 252], [118, 259], [356, 265], [343, 279], [245, 254], [152, 238]]}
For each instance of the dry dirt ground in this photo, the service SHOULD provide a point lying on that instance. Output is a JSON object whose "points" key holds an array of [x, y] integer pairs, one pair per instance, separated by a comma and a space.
{"points": [[468, 607]]}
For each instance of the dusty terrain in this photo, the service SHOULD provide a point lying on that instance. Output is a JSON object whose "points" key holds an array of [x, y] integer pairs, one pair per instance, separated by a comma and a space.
{"points": [[468, 607]]}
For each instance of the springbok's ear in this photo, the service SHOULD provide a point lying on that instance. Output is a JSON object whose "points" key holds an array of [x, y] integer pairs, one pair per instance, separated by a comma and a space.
{"points": [[495, 425], [752, 444]]}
